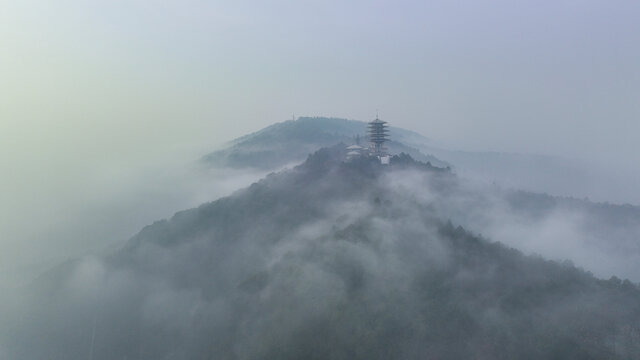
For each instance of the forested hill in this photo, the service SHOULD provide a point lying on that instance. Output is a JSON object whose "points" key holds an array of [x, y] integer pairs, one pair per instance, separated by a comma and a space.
{"points": [[291, 141], [328, 260]]}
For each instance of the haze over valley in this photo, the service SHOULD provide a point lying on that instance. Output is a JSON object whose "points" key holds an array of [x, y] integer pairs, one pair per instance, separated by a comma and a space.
{"points": [[319, 180]]}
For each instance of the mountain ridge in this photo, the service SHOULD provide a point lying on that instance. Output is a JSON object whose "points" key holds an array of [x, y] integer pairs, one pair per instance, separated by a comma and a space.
{"points": [[291, 141], [328, 260], [294, 139]]}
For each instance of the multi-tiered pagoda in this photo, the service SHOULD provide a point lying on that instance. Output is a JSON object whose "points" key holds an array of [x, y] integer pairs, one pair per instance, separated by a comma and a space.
{"points": [[378, 133]]}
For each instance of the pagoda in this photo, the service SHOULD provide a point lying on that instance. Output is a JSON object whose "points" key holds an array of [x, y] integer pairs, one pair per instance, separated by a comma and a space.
{"points": [[378, 133]]}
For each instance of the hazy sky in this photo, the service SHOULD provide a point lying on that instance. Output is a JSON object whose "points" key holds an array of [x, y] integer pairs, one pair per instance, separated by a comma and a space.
{"points": [[90, 91], [529, 76]]}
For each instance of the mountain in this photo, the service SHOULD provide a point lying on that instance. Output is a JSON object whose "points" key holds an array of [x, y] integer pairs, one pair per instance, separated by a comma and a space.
{"points": [[600, 236], [331, 259], [291, 141]]}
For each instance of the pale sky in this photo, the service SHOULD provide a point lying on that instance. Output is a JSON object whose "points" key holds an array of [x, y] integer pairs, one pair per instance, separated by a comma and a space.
{"points": [[527, 76], [90, 91]]}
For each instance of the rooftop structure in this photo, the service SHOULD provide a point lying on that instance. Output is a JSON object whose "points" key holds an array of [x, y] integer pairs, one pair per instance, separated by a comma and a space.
{"points": [[354, 151]]}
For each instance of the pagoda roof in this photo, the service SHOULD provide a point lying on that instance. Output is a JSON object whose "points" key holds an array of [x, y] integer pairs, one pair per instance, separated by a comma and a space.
{"points": [[354, 147]]}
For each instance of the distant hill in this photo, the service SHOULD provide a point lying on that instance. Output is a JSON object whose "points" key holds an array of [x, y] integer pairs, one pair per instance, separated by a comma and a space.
{"points": [[291, 141], [551, 174], [506, 198], [328, 260]]}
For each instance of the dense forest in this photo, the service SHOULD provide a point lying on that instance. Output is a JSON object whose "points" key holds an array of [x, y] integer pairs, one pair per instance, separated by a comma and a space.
{"points": [[328, 260]]}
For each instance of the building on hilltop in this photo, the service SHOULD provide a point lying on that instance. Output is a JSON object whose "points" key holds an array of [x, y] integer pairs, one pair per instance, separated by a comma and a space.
{"points": [[378, 133], [354, 151]]}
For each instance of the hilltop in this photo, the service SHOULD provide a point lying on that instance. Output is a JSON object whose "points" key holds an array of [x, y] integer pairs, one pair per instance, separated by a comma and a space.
{"points": [[291, 141]]}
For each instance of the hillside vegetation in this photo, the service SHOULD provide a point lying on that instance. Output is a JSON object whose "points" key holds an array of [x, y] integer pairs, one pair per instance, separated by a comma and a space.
{"points": [[328, 260]]}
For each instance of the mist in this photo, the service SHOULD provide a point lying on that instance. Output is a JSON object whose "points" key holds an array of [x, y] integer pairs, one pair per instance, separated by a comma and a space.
{"points": [[106, 107], [93, 93], [95, 207], [568, 230], [363, 266], [555, 79]]}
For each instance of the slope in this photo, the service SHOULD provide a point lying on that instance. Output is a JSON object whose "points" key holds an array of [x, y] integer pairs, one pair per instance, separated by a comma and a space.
{"points": [[291, 141], [601, 237], [329, 260]]}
